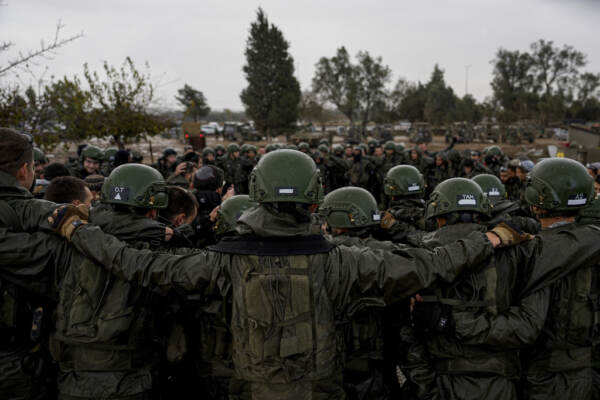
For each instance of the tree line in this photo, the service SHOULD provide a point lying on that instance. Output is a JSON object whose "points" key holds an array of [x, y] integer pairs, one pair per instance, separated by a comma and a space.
{"points": [[547, 83]]}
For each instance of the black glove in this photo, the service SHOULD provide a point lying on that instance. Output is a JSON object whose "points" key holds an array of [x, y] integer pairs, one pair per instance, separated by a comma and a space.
{"points": [[433, 317]]}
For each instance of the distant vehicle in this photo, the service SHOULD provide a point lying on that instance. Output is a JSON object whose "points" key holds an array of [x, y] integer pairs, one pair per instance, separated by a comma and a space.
{"points": [[209, 129]]}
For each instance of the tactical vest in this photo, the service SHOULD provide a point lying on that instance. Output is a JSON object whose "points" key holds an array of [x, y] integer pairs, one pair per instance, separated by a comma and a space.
{"points": [[277, 335], [486, 291], [574, 320]]}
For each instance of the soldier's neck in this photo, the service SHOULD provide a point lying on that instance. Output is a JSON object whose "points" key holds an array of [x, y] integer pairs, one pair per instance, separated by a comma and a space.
{"points": [[549, 222]]}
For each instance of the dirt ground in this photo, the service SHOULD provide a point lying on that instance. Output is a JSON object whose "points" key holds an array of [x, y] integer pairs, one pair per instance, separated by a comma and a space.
{"points": [[158, 144]]}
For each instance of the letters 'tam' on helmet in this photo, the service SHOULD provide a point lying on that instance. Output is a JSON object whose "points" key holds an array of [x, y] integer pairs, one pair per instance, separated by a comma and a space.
{"points": [[230, 211], [135, 185], [350, 207], [286, 176], [559, 184], [457, 195], [492, 187], [403, 180]]}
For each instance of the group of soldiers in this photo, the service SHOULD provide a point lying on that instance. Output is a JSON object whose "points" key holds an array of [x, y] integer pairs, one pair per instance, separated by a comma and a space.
{"points": [[360, 272]]}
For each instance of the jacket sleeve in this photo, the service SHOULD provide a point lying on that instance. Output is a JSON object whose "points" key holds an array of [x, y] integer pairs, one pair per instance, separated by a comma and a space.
{"points": [[402, 272], [144, 267], [514, 328]]}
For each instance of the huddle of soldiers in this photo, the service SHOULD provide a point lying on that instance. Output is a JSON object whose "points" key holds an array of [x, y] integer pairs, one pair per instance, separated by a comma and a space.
{"points": [[365, 272]]}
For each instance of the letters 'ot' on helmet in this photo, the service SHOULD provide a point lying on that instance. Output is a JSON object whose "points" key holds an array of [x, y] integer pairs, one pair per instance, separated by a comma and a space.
{"points": [[492, 187], [350, 207], [230, 211], [93, 152], [286, 176], [559, 184], [135, 185], [457, 195], [403, 180]]}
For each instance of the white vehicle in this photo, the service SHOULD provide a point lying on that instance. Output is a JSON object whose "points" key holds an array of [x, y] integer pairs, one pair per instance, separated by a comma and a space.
{"points": [[208, 129]]}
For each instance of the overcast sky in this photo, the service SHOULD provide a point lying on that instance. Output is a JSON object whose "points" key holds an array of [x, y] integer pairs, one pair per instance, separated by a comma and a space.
{"points": [[202, 42]]}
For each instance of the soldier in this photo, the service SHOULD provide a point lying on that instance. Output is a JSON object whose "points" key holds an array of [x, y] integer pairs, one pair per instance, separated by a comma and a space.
{"points": [[248, 162], [351, 214], [494, 159], [40, 162], [360, 170], [514, 185], [91, 159], [304, 147], [208, 156], [439, 172], [219, 151], [503, 209], [108, 339], [108, 164], [404, 187], [167, 163], [564, 362], [229, 212], [560, 363], [337, 166], [69, 190], [288, 287]]}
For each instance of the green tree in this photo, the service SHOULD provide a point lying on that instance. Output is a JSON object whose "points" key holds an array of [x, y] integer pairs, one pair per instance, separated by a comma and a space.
{"points": [[513, 83], [441, 100], [121, 103], [193, 101], [72, 109], [358, 90], [336, 81], [273, 93]]}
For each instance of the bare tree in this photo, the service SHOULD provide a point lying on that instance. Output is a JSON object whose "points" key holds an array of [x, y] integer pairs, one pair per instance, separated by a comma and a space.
{"points": [[46, 51]]}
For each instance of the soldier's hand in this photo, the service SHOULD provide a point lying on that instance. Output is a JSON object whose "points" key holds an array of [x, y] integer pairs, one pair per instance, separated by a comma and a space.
{"points": [[430, 317], [213, 214], [180, 169], [230, 193], [66, 219], [509, 235], [388, 220]]}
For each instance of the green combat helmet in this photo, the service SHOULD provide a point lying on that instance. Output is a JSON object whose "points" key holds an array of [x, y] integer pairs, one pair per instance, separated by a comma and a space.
{"points": [[323, 148], [304, 146], [230, 211], [558, 185], [286, 176], [232, 148], [93, 152], [109, 154], [492, 187], [350, 207], [244, 148], [135, 185], [291, 147], [208, 150], [399, 148], [220, 147], [39, 156], [389, 145], [493, 151], [270, 147], [136, 156], [324, 141], [404, 180], [457, 195]]}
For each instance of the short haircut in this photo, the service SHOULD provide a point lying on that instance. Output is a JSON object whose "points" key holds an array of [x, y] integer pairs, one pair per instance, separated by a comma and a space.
{"points": [[180, 201], [55, 170], [66, 189], [16, 149]]}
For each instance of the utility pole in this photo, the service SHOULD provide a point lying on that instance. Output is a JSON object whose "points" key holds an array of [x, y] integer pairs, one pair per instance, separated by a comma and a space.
{"points": [[467, 79]]}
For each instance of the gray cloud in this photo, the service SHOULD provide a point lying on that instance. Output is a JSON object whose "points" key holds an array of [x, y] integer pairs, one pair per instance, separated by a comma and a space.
{"points": [[202, 42]]}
